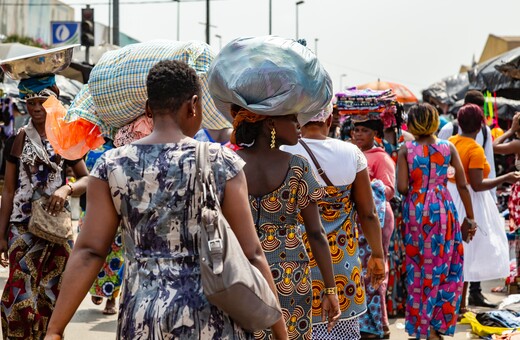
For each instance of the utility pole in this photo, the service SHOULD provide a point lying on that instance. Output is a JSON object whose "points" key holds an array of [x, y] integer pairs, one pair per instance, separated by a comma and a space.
{"points": [[178, 20], [115, 29], [270, 17], [316, 46], [207, 23]]}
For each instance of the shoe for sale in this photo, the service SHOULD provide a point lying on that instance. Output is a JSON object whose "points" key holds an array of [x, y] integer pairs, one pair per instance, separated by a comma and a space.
{"points": [[480, 301]]}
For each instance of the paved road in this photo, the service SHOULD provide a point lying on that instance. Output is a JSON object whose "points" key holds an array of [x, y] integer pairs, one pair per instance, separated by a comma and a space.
{"points": [[90, 323]]}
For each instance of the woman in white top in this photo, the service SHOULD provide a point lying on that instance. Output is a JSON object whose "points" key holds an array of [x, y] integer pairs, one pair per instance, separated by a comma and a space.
{"points": [[346, 182]]}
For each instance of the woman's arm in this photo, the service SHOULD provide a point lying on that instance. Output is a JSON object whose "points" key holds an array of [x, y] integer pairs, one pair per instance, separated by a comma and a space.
{"points": [[460, 180], [367, 214], [402, 171], [321, 252], [237, 211], [88, 255], [512, 147], [10, 179], [479, 183], [78, 188]]}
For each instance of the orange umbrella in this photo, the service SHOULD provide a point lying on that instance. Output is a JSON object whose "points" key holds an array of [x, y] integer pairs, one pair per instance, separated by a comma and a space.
{"points": [[404, 95]]}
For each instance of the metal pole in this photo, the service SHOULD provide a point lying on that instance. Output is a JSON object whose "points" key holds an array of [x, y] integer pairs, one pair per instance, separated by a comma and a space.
{"points": [[270, 17], [178, 20], [316, 46], [110, 4], [296, 21], [87, 47], [115, 30], [207, 23]]}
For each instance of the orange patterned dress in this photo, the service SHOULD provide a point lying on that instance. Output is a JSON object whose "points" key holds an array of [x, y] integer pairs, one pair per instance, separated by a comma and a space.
{"points": [[275, 216]]}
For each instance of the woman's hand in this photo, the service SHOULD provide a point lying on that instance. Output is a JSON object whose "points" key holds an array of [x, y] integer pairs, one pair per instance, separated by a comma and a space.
{"points": [[515, 124], [56, 201], [4, 255], [376, 271], [513, 177], [330, 310]]}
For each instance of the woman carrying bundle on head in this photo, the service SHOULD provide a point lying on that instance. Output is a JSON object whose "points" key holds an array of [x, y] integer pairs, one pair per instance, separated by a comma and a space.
{"points": [[148, 187], [267, 96], [36, 264], [434, 251]]}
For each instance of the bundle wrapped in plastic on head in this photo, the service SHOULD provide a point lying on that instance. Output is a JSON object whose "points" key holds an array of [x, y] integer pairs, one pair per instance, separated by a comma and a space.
{"points": [[118, 81], [269, 76]]}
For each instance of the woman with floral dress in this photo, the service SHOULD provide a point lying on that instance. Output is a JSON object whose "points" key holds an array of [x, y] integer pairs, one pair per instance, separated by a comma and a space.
{"points": [[434, 250], [149, 186], [35, 265]]}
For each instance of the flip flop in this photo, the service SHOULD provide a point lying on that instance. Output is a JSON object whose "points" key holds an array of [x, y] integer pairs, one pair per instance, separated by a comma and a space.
{"points": [[97, 300]]}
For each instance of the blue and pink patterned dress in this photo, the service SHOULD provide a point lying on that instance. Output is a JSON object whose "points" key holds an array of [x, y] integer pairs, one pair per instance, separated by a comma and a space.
{"points": [[433, 241]]}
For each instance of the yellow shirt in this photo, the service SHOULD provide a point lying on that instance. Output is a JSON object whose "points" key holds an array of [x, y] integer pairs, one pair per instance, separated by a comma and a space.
{"points": [[471, 154]]}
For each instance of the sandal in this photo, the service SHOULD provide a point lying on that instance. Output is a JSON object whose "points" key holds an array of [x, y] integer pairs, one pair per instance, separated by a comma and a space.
{"points": [[110, 307], [97, 300]]}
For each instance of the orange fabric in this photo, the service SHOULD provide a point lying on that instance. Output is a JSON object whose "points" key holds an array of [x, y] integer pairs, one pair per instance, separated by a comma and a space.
{"points": [[471, 154], [243, 115]]}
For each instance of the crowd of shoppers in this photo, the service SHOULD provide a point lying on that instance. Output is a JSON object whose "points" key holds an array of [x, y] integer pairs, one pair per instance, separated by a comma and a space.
{"points": [[318, 217]]}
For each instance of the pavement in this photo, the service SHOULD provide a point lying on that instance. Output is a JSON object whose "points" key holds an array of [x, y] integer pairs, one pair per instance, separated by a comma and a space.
{"points": [[90, 323]]}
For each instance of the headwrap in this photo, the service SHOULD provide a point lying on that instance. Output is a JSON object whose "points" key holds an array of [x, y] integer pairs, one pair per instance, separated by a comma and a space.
{"points": [[372, 124], [240, 116], [270, 76], [36, 87], [324, 114]]}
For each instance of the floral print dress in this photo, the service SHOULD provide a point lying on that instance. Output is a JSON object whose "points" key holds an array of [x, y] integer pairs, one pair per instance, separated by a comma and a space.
{"points": [[434, 250], [275, 216], [152, 190]]}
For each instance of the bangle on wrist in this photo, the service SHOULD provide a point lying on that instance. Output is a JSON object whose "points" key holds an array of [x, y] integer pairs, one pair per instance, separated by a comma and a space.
{"points": [[71, 189], [330, 291]]}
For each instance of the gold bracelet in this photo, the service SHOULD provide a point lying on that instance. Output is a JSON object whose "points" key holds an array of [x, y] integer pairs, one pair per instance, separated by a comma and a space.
{"points": [[330, 291]]}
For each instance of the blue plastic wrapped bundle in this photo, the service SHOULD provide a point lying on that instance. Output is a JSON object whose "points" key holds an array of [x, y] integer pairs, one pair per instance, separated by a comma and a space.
{"points": [[270, 76]]}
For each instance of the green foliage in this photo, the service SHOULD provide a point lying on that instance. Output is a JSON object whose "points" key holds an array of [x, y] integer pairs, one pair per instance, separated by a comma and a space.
{"points": [[26, 41]]}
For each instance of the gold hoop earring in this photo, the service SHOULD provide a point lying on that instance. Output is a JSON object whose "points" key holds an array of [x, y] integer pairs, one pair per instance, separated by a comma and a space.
{"points": [[273, 138]]}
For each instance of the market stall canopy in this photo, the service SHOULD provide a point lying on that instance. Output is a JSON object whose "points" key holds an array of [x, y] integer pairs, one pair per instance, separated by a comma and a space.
{"points": [[404, 95], [449, 90], [506, 107], [499, 73]]}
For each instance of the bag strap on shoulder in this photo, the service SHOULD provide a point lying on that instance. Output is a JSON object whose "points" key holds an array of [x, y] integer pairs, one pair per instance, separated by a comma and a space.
{"points": [[455, 128], [321, 172]]}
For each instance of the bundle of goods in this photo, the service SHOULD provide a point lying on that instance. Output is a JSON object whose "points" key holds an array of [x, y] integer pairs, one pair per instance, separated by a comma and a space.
{"points": [[367, 104]]}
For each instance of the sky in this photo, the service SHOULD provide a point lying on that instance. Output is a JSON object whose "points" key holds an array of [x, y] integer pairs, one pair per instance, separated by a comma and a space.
{"points": [[412, 42]]}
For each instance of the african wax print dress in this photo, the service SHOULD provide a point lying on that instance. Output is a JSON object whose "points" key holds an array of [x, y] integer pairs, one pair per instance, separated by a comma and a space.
{"points": [[275, 217], [35, 265], [109, 279], [434, 250], [152, 189]]}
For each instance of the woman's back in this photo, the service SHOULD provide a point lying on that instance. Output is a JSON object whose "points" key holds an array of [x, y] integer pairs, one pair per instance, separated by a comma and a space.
{"points": [[152, 190], [428, 165]]}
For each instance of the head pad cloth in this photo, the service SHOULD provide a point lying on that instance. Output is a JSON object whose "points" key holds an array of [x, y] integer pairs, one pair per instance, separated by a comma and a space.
{"points": [[118, 81], [36, 87], [269, 76], [324, 114]]}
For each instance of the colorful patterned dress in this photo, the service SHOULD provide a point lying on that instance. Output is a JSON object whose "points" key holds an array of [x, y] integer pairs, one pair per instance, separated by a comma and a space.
{"points": [[152, 190], [275, 217], [434, 250], [35, 265]]}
